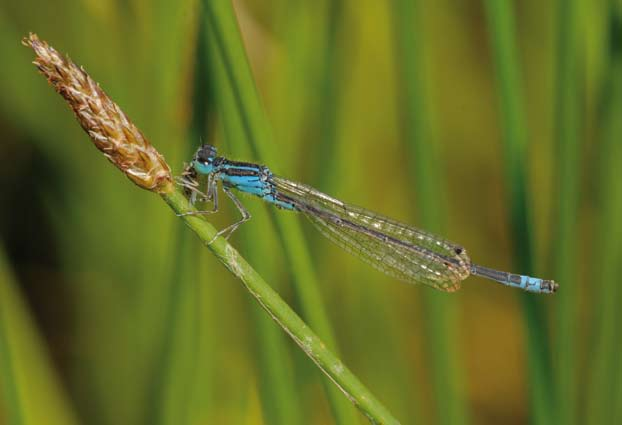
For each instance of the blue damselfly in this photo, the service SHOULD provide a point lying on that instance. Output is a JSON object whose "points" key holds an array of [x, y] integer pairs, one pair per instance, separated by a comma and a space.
{"points": [[399, 250]]}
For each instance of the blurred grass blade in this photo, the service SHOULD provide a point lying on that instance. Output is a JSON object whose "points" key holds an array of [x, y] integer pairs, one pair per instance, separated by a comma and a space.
{"points": [[602, 392], [278, 391], [10, 403], [175, 370], [329, 96], [177, 361], [30, 391], [509, 86], [426, 175], [222, 20], [568, 129]]}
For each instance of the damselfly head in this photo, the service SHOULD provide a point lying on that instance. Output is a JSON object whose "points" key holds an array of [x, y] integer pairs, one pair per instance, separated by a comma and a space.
{"points": [[203, 161], [205, 154]]}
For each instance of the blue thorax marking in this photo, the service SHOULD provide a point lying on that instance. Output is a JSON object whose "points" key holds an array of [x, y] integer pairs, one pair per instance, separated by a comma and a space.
{"points": [[246, 177]]}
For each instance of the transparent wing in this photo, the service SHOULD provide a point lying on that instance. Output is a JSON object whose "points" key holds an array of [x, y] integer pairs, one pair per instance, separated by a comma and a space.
{"points": [[394, 248]]}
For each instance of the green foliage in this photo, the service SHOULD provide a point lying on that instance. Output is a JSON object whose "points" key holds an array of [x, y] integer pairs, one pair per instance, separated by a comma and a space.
{"points": [[498, 128], [30, 389]]}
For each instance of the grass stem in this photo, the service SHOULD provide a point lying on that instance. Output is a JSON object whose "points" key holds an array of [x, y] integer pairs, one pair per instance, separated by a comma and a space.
{"points": [[281, 313]]}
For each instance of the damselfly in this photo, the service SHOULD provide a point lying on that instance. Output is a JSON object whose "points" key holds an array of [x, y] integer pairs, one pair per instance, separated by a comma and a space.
{"points": [[399, 250]]}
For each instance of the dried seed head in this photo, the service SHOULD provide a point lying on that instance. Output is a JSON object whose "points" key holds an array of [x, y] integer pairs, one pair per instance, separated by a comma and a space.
{"points": [[109, 128]]}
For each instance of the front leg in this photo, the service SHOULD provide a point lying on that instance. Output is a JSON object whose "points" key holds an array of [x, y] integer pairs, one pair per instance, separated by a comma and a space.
{"points": [[189, 181], [210, 195]]}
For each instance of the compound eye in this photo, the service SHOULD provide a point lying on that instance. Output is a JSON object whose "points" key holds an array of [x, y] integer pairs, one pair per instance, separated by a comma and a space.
{"points": [[203, 157], [206, 154]]}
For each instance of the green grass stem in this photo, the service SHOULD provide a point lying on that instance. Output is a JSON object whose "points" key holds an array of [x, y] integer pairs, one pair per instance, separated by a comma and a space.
{"points": [[500, 17], [280, 312], [568, 131]]}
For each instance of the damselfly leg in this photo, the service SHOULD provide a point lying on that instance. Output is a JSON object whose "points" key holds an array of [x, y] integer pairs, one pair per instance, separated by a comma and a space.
{"points": [[228, 231], [191, 185]]}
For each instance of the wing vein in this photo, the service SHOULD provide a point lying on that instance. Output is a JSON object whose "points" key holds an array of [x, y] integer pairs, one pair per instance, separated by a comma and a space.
{"points": [[399, 250]]}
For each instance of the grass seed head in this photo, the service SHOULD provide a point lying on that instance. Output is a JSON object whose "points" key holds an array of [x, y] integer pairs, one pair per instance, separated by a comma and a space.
{"points": [[107, 125]]}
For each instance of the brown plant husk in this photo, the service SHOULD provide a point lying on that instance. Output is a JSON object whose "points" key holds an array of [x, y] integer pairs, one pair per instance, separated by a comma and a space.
{"points": [[107, 125]]}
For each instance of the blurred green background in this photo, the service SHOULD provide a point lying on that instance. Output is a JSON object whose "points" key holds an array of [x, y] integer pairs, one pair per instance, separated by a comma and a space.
{"points": [[496, 124]]}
